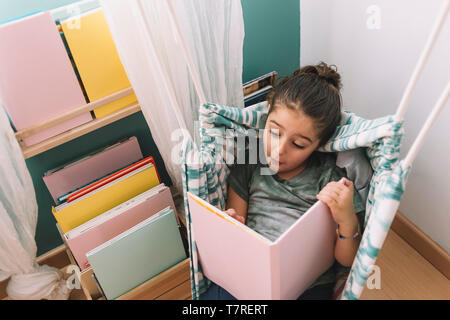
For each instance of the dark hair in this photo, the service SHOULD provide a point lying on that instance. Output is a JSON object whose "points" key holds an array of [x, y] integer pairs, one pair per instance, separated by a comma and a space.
{"points": [[314, 90]]}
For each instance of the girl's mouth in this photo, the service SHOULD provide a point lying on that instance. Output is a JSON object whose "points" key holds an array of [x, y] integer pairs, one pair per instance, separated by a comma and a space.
{"points": [[278, 162]]}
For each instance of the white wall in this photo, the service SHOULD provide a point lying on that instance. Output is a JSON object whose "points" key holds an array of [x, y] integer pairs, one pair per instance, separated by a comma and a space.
{"points": [[375, 65]]}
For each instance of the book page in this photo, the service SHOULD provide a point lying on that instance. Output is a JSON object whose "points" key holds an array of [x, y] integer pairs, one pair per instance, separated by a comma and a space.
{"points": [[231, 254], [306, 250]]}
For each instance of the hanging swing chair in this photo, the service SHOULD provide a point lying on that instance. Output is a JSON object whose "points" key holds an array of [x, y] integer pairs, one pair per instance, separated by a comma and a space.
{"points": [[377, 142]]}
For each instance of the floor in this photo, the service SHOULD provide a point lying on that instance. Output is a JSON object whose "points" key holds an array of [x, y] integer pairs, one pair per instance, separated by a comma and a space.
{"points": [[405, 275]]}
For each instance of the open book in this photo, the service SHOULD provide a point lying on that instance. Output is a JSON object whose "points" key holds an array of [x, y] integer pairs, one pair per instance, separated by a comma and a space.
{"points": [[250, 266]]}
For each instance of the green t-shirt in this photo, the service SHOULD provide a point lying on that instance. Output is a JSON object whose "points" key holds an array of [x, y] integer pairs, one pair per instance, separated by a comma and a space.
{"points": [[274, 204]]}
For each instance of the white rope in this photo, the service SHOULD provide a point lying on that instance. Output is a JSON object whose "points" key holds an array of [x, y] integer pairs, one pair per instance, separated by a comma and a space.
{"points": [[192, 70], [412, 153], [422, 60]]}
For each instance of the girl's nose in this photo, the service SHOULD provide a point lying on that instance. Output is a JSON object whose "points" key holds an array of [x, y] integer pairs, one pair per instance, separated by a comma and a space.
{"points": [[282, 145]]}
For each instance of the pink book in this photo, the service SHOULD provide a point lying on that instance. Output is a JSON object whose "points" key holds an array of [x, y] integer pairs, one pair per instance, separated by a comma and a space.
{"points": [[115, 221], [96, 165], [37, 80], [252, 267]]}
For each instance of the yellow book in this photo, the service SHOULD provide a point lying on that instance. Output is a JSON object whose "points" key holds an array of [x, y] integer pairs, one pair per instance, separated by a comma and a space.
{"points": [[73, 214], [96, 58]]}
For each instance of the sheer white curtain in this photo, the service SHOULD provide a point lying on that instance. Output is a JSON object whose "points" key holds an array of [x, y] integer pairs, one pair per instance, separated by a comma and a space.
{"points": [[18, 219], [156, 67]]}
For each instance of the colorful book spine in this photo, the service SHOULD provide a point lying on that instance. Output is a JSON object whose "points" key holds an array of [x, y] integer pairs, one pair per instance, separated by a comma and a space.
{"points": [[65, 179], [71, 215], [115, 221], [97, 60], [109, 179]]}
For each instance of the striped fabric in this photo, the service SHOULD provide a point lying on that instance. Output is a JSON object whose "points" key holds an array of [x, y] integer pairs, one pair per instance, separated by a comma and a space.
{"points": [[205, 170]]}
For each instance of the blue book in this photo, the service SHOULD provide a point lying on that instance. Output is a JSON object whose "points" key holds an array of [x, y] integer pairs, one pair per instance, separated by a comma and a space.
{"points": [[138, 254]]}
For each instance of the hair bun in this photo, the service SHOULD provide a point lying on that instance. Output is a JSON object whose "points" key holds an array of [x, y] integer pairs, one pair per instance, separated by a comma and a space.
{"points": [[324, 71]]}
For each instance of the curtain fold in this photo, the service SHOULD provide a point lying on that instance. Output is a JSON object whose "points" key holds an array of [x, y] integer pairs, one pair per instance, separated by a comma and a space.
{"points": [[152, 57], [18, 219]]}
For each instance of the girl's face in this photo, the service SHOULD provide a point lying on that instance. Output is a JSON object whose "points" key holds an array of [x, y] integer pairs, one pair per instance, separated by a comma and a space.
{"points": [[297, 139]]}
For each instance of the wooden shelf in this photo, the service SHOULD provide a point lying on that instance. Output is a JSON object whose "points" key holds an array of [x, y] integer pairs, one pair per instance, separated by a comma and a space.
{"points": [[74, 133], [30, 151], [171, 284]]}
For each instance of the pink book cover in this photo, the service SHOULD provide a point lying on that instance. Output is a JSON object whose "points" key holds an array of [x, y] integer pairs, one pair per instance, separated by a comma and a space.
{"points": [[115, 221], [37, 80], [100, 163], [252, 267]]}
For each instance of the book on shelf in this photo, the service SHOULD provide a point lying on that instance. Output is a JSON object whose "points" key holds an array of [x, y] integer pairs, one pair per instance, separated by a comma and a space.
{"points": [[111, 223], [256, 90], [138, 254], [102, 73], [73, 195], [70, 215], [37, 81], [82, 171]]}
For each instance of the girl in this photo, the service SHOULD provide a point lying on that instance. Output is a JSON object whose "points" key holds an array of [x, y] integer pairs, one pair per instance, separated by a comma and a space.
{"points": [[304, 110]]}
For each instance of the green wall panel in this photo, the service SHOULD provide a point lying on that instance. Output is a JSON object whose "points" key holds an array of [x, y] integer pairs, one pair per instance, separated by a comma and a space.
{"points": [[272, 37]]}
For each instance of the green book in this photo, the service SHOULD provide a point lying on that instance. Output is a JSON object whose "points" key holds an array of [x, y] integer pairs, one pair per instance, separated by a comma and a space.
{"points": [[138, 254]]}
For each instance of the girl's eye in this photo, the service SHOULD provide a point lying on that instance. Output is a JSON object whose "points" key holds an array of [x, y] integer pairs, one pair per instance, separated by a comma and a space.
{"points": [[274, 132], [300, 147]]}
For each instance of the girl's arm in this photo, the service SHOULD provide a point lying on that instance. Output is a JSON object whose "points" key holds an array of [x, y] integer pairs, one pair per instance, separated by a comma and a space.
{"points": [[236, 206], [339, 198], [345, 249]]}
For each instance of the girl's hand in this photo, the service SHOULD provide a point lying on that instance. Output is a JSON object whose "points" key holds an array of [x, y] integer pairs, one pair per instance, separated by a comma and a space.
{"points": [[232, 213], [339, 198]]}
